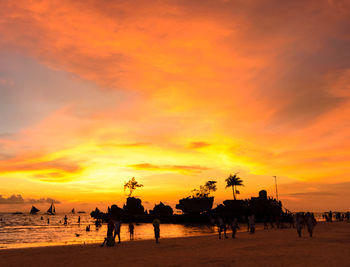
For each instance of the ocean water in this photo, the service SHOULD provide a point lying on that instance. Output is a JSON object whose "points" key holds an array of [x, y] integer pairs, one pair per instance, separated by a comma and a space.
{"points": [[25, 230]]}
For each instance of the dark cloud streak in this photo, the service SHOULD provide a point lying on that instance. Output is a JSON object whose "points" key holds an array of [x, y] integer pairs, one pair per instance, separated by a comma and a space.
{"points": [[18, 199]]}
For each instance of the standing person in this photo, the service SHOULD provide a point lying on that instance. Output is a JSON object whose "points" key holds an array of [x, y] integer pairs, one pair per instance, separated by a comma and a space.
{"points": [[109, 239], [117, 229], [347, 216], [251, 222], [266, 226], [310, 222], [131, 231], [79, 220], [48, 220], [299, 223], [221, 226], [234, 227], [156, 228], [65, 220], [330, 215]]}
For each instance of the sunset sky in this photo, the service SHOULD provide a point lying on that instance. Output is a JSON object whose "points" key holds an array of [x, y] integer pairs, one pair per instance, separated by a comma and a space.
{"points": [[94, 92]]}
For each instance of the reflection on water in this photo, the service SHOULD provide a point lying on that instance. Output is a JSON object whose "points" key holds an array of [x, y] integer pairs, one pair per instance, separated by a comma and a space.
{"points": [[24, 230]]}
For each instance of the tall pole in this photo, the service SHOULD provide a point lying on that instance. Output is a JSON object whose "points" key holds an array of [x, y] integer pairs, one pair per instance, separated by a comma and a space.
{"points": [[276, 187]]}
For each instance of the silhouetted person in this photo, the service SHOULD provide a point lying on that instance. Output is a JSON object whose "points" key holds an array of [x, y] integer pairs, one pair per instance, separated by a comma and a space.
{"points": [[292, 221], [87, 229], [48, 220], [65, 220], [109, 239], [117, 224], [221, 226], [299, 221], [156, 229], [41, 218], [131, 231], [330, 216], [79, 220], [310, 222], [251, 222], [347, 216], [234, 227], [266, 226]]}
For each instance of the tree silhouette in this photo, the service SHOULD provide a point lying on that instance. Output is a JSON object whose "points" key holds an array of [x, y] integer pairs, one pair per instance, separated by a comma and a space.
{"points": [[205, 190], [234, 181], [132, 184]]}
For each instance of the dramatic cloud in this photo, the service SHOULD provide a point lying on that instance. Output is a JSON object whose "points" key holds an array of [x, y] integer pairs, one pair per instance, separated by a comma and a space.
{"points": [[88, 88]]}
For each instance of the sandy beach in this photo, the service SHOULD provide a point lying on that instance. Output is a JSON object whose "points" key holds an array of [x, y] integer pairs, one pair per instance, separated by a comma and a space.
{"points": [[330, 246]]}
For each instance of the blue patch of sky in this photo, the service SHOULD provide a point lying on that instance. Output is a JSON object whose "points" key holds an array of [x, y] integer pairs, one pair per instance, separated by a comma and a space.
{"points": [[31, 91]]}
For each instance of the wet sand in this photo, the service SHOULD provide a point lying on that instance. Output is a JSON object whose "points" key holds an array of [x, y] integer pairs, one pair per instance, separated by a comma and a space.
{"points": [[330, 246]]}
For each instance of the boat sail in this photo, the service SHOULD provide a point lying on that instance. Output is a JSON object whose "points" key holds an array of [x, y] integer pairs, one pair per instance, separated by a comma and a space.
{"points": [[34, 210], [51, 210]]}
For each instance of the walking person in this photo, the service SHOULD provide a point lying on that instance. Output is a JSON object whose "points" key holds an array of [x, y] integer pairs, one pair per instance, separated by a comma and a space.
{"points": [[221, 227], [156, 229], [251, 222], [131, 231], [330, 215], [299, 223], [234, 227], [117, 225], [266, 226], [65, 220], [310, 223]]}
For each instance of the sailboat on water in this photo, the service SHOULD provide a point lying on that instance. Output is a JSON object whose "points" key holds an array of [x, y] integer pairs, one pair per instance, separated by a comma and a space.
{"points": [[51, 210], [34, 210]]}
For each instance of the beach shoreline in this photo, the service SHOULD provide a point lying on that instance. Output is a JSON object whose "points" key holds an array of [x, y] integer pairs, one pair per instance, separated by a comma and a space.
{"points": [[276, 247]]}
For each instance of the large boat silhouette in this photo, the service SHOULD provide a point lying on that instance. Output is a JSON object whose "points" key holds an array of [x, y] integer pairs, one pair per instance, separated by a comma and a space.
{"points": [[195, 205]]}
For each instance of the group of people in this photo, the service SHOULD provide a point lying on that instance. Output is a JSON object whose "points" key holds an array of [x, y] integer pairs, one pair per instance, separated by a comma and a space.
{"points": [[328, 216], [302, 220], [113, 230], [65, 220], [222, 226]]}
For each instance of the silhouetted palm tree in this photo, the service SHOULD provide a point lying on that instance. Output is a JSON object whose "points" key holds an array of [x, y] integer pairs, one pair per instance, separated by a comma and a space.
{"points": [[234, 181]]}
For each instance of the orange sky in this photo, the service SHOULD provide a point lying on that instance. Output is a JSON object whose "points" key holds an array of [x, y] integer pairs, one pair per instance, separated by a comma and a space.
{"points": [[174, 93]]}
